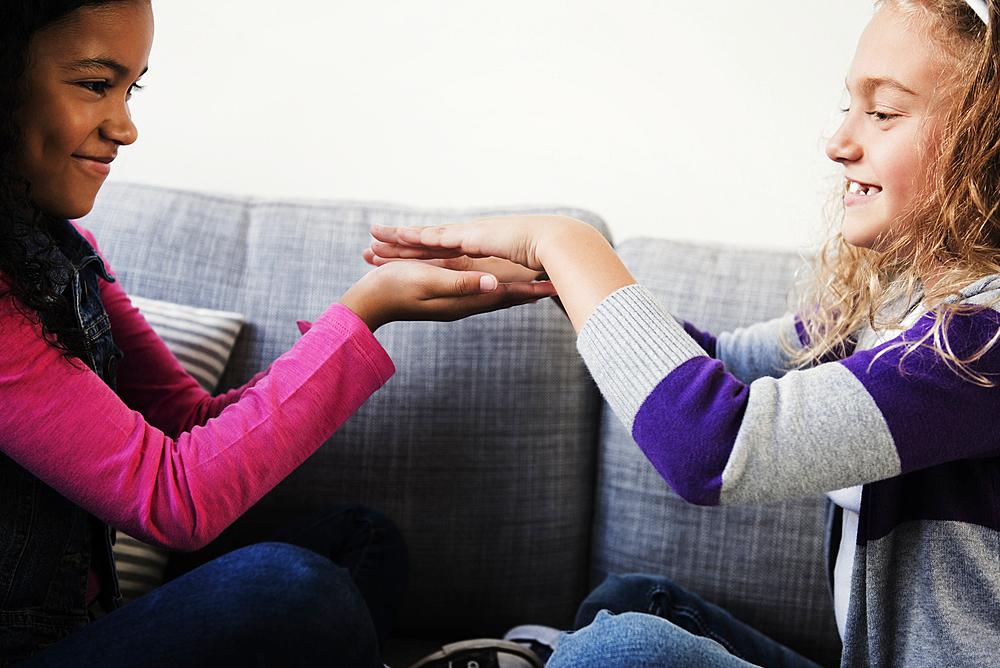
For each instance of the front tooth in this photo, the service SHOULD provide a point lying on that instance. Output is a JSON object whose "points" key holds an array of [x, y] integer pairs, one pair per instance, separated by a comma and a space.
{"points": [[854, 188]]}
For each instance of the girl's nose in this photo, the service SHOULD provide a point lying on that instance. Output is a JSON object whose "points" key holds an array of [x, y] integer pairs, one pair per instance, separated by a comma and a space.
{"points": [[843, 147], [119, 127]]}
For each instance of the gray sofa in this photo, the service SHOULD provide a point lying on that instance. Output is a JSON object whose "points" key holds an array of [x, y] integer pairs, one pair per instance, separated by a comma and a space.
{"points": [[491, 448]]}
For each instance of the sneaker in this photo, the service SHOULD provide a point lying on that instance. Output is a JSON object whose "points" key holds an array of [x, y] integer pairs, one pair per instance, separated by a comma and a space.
{"points": [[483, 653], [539, 639]]}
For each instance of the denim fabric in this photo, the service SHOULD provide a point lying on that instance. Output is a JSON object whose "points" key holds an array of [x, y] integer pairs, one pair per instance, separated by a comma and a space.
{"points": [[82, 267], [638, 620], [364, 542], [45, 553], [637, 640], [269, 604], [47, 544], [369, 546]]}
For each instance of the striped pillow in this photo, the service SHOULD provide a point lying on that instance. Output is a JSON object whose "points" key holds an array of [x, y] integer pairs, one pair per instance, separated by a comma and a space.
{"points": [[201, 339]]}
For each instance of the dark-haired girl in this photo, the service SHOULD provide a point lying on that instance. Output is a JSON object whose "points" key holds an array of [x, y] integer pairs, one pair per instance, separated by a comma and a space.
{"points": [[97, 419]]}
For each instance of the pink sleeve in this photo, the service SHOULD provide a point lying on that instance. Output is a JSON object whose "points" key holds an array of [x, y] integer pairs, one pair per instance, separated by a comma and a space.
{"points": [[62, 423]]}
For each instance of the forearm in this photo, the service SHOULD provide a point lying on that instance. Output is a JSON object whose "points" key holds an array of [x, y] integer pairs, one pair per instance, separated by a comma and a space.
{"points": [[717, 440], [582, 266], [71, 431]]}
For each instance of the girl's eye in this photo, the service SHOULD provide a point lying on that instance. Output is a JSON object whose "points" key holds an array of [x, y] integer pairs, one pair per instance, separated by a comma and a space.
{"points": [[96, 86], [882, 116], [101, 87]]}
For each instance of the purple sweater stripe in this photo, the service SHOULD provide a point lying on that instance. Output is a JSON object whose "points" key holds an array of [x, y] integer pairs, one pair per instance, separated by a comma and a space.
{"points": [[967, 490], [800, 331], [934, 415], [688, 425], [703, 339]]}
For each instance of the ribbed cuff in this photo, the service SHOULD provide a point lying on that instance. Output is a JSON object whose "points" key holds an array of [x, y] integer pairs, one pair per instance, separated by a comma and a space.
{"points": [[630, 344]]}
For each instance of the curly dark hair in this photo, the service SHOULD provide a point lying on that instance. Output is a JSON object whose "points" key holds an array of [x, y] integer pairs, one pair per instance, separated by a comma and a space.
{"points": [[26, 263]]}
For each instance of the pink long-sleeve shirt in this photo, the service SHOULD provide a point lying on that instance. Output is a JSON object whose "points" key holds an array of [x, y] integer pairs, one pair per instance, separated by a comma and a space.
{"points": [[162, 460]]}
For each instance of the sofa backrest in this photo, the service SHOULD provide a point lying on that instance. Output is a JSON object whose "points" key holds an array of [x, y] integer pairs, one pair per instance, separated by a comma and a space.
{"points": [[765, 564], [482, 446]]}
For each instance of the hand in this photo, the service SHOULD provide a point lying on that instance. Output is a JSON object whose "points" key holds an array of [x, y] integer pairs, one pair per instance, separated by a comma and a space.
{"points": [[580, 262], [422, 291], [513, 238]]}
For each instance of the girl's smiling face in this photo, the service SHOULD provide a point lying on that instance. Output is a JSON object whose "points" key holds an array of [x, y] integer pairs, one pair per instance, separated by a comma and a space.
{"points": [[884, 142], [75, 114]]}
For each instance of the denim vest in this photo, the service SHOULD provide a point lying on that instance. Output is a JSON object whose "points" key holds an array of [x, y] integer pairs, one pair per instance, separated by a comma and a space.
{"points": [[47, 543]]}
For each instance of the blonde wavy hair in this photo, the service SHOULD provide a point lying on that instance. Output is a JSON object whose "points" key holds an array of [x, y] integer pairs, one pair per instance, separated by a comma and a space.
{"points": [[955, 223]]}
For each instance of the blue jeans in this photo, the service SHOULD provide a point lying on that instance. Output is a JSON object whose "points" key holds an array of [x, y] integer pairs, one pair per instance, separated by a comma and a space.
{"points": [[639, 621], [328, 599]]}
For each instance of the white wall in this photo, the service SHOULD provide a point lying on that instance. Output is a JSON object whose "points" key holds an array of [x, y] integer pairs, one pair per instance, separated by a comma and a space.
{"points": [[692, 120]]}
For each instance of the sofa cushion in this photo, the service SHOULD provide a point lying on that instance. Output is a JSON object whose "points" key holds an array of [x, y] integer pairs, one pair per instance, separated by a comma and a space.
{"points": [[765, 564], [482, 447]]}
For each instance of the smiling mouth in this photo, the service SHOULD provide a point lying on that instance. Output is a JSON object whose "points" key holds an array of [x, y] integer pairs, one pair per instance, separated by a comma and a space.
{"points": [[106, 161], [855, 188]]}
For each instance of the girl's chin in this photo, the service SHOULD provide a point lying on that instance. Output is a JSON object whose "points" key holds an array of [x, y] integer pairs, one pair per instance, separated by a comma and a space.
{"points": [[861, 234], [71, 208], [859, 241]]}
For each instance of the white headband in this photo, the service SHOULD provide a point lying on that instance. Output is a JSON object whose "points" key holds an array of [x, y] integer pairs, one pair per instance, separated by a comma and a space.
{"points": [[981, 9]]}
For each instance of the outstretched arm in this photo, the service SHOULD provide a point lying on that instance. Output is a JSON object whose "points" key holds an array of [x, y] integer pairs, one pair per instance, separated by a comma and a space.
{"points": [[577, 259]]}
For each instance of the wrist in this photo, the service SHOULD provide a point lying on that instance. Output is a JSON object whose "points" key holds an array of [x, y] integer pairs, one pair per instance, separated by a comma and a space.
{"points": [[582, 266], [565, 238], [360, 301]]}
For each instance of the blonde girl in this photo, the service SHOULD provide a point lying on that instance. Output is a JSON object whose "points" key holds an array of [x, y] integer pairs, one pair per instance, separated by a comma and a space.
{"points": [[881, 392]]}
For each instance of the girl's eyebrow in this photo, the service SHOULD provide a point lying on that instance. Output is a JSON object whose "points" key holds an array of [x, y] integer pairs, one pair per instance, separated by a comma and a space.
{"points": [[91, 64], [869, 85]]}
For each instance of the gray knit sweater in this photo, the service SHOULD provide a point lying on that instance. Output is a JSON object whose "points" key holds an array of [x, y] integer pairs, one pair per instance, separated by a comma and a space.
{"points": [[723, 423]]}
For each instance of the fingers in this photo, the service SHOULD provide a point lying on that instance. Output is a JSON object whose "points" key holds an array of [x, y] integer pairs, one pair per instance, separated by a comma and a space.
{"points": [[461, 263], [503, 295], [373, 258], [403, 252], [470, 284], [412, 236], [452, 294], [424, 236], [432, 236], [437, 241]]}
